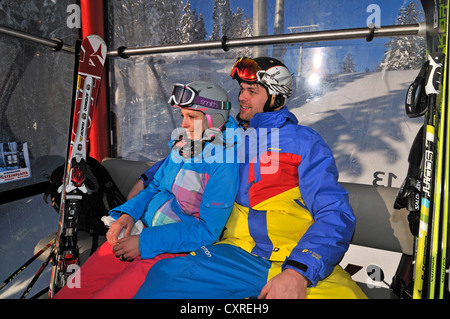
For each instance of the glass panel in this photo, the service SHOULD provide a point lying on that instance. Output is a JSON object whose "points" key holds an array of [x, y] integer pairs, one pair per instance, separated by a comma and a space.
{"points": [[351, 91], [23, 224], [35, 92], [35, 100]]}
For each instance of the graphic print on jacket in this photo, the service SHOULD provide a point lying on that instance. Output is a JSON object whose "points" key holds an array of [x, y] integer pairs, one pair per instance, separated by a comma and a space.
{"points": [[188, 189]]}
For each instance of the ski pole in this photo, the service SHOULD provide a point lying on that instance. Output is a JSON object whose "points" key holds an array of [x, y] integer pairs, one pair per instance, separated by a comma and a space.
{"points": [[426, 210], [37, 275], [25, 265], [433, 90]]}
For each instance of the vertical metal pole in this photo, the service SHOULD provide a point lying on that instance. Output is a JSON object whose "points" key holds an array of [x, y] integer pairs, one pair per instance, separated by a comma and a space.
{"points": [[260, 25], [279, 28]]}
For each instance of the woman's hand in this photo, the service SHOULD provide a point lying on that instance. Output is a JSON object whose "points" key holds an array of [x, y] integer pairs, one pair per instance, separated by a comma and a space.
{"points": [[124, 222]]}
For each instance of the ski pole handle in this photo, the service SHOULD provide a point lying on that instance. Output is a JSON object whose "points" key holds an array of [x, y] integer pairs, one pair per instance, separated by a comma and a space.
{"points": [[435, 74]]}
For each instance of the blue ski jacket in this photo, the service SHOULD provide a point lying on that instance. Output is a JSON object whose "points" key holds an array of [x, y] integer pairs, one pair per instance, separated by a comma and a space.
{"points": [[290, 207], [188, 202]]}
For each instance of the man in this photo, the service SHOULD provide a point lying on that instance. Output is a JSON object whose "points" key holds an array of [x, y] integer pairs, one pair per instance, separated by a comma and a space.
{"points": [[291, 222]]}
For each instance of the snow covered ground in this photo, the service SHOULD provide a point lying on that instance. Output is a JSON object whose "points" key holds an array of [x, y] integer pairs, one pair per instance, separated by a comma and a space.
{"points": [[362, 117]]}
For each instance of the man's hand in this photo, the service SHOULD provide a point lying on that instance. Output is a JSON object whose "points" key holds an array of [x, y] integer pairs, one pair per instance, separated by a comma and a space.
{"points": [[127, 248], [289, 284], [124, 221]]}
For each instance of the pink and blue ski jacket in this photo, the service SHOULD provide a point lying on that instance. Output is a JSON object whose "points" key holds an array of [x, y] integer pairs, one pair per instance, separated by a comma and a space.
{"points": [[187, 203]]}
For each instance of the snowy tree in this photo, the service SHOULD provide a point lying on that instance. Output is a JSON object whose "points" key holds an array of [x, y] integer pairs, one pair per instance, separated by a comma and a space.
{"points": [[215, 33], [187, 27], [405, 52], [229, 23], [140, 22], [199, 26], [155, 22], [241, 25], [226, 18], [241, 28], [169, 20], [348, 66]]}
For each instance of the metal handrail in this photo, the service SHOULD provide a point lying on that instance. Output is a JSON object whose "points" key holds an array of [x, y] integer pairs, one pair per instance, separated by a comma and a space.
{"points": [[226, 44], [314, 36], [54, 44]]}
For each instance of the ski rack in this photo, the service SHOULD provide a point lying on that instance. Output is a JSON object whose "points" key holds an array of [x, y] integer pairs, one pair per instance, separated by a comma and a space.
{"points": [[226, 44]]}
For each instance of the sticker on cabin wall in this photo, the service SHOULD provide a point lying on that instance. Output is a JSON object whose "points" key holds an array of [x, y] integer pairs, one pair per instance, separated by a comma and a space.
{"points": [[14, 162]]}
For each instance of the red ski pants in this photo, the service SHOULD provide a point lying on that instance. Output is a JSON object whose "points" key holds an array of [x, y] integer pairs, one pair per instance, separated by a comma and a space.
{"points": [[104, 276]]}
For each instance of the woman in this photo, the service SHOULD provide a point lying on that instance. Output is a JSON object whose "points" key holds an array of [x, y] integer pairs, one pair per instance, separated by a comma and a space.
{"points": [[185, 206]]}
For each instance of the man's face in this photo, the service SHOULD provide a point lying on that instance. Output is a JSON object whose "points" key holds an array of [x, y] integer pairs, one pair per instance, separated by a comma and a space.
{"points": [[192, 123], [252, 98]]}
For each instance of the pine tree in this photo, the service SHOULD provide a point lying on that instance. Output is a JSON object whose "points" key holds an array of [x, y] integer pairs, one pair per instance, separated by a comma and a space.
{"points": [[241, 28], [348, 66], [226, 18], [200, 30], [187, 27], [231, 24], [405, 52], [169, 20], [215, 33], [241, 25]]}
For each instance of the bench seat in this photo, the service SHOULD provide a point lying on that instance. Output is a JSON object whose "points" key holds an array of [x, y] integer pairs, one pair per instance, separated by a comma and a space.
{"points": [[381, 237]]}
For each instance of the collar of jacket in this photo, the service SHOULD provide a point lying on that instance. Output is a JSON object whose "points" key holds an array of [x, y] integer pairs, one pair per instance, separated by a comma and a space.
{"points": [[228, 141], [273, 119]]}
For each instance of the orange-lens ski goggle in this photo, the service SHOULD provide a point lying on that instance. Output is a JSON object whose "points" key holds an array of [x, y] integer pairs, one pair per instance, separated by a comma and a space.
{"points": [[245, 69]]}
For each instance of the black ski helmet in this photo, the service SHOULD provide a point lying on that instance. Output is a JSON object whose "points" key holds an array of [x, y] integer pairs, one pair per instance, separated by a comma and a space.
{"points": [[269, 72]]}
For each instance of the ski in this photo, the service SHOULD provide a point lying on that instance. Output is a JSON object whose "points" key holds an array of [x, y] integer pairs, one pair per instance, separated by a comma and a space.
{"points": [[90, 63], [429, 251], [436, 253], [444, 140], [437, 213], [443, 269]]}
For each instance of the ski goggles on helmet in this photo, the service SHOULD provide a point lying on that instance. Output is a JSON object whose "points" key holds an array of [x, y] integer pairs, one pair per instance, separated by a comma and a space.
{"points": [[184, 96], [246, 69], [274, 78]]}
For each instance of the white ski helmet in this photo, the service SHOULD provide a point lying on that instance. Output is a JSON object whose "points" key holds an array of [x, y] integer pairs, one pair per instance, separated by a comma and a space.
{"points": [[204, 96]]}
